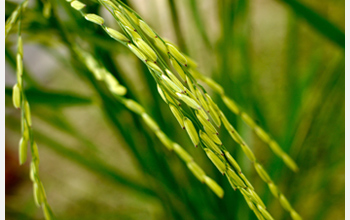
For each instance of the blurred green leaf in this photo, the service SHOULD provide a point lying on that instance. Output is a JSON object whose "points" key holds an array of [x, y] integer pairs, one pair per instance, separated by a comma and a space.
{"points": [[90, 163], [320, 23], [52, 98]]}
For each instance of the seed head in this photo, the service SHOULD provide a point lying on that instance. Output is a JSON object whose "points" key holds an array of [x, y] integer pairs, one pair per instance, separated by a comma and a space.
{"points": [[133, 34], [213, 136], [273, 189], [117, 35], [110, 4], [174, 79], [196, 170], [146, 49], [230, 104], [202, 100], [171, 85], [176, 54], [160, 45], [216, 161], [295, 215], [190, 85], [77, 5], [94, 18], [265, 213], [235, 178], [232, 161], [23, 143], [131, 15], [16, 96], [137, 52], [146, 29], [214, 186], [165, 140], [209, 143], [262, 173], [19, 64], [284, 202], [189, 101], [134, 106], [161, 93], [150, 122], [212, 84], [192, 132], [178, 68], [123, 19], [178, 115], [154, 67], [182, 153], [248, 152], [27, 113]]}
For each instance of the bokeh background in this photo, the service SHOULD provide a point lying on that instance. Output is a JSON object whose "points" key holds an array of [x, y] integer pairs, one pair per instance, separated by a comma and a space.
{"points": [[282, 61]]}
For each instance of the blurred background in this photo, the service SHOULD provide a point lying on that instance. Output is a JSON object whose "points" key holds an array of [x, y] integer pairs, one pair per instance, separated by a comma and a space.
{"points": [[282, 61]]}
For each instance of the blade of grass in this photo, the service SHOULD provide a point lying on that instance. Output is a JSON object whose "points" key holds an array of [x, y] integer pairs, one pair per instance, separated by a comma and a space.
{"points": [[199, 23], [178, 32], [52, 98], [318, 21]]}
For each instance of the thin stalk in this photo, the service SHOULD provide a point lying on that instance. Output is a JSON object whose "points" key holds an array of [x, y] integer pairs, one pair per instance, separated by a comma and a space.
{"points": [[175, 20]]}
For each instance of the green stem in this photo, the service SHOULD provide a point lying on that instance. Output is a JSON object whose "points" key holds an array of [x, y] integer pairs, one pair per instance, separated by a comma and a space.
{"points": [[178, 32]]}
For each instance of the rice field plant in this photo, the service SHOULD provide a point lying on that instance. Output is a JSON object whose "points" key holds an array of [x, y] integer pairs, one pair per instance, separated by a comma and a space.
{"points": [[175, 109]]}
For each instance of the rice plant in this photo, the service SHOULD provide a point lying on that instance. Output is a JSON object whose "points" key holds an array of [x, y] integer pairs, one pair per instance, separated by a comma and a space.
{"points": [[165, 130]]}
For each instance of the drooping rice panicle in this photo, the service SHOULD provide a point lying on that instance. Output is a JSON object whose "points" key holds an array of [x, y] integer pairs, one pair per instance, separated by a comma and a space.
{"points": [[167, 47], [20, 102], [221, 158], [188, 98], [215, 112], [232, 105], [113, 85], [259, 168], [11, 21], [173, 93], [175, 55]]}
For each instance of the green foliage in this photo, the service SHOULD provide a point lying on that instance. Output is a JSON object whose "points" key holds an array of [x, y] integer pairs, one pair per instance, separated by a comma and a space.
{"points": [[101, 124]]}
